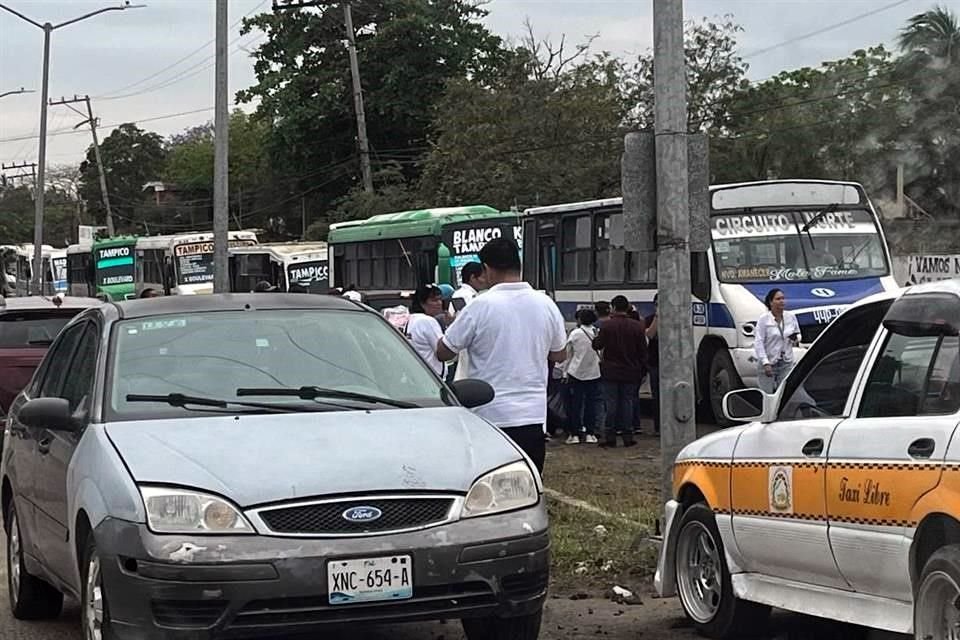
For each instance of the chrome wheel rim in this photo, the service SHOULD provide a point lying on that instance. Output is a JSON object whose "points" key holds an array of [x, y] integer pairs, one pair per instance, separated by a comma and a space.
{"points": [[938, 608], [699, 572], [93, 601], [13, 558]]}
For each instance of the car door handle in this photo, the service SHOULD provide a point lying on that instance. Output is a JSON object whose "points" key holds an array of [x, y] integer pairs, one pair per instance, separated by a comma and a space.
{"points": [[922, 448], [43, 445], [813, 448]]}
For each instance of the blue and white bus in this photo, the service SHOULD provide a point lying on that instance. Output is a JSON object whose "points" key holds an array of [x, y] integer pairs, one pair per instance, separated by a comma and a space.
{"points": [[819, 241]]}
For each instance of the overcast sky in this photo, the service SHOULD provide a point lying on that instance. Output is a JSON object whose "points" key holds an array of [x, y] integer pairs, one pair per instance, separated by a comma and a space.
{"points": [[123, 59]]}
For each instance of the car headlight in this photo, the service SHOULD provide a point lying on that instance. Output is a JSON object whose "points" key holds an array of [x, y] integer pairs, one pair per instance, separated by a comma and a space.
{"points": [[182, 511], [504, 489]]}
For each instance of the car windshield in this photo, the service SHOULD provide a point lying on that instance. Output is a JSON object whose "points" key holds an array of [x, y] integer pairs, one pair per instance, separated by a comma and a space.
{"points": [[26, 329], [214, 354], [841, 245]]}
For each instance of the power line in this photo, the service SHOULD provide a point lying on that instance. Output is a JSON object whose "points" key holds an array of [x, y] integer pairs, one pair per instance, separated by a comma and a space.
{"points": [[186, 57], [826, 29]]}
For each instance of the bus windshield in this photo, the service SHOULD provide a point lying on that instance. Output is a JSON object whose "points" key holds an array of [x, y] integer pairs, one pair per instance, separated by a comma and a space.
{"points": [[842, 245], [114, 265], [194, 262]]}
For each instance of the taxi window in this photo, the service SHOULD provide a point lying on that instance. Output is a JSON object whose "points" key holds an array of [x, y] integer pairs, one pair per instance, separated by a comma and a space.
{"points": [[915, 376]]}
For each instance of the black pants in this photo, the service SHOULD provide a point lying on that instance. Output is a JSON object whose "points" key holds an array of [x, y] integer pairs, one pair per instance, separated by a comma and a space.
{"points": [[530, 439]]}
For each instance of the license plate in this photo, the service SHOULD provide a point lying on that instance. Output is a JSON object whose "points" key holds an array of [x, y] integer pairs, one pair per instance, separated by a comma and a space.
{"points": [[370, 579]]}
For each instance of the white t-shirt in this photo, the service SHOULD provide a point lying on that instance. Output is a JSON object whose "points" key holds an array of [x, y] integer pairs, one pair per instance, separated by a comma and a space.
{"points": [[508, 334], [583, 361], [465, 292], [771, 341], [425, 333]]}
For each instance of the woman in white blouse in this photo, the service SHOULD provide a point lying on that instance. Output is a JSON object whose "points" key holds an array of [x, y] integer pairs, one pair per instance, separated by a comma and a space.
{"points": [[776, 334]]}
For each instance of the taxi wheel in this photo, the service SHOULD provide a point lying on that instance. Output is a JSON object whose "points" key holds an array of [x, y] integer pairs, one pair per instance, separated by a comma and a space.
{"points": [[30, 597], [936, 609], [520, 628], [703, 581]]}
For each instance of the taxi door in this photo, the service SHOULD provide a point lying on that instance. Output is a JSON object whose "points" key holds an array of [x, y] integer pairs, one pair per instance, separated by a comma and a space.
{"points": [[778, 484], [884, 458]]}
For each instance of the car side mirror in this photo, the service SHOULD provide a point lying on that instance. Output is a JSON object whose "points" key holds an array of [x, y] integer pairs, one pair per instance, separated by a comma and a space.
{"points": [[472, 393], [744, 405], [48, 413]]}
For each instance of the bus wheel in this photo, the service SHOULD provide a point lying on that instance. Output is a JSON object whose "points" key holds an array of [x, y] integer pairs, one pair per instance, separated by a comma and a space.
{"points": [[723, 379]]}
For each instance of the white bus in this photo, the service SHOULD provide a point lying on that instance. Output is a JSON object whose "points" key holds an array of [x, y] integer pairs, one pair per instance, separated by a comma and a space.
{"points": [[18, 269], [819, 241], [181, 264], [282, 265]]}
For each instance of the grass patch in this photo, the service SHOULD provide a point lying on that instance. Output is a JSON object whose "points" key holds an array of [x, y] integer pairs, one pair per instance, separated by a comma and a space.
{"points": [[625, 483]]}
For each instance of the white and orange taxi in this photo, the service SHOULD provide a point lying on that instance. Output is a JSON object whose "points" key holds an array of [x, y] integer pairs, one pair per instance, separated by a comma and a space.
{"points": [[841, 496]]}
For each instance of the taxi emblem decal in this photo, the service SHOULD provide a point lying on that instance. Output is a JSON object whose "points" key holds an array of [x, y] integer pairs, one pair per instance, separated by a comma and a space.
{"points": [[781, 489]]}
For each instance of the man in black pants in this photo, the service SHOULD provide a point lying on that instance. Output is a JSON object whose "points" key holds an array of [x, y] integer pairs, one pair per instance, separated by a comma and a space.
{"points": [[510, 334]]}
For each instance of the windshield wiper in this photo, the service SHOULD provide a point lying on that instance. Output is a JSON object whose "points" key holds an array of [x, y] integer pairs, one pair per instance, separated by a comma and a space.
{"points": [[181, 400], [313, 393], [818, 217]]}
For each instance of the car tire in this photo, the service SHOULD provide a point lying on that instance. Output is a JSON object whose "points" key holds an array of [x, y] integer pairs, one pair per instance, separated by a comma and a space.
{"points": [[492, 628], [94, 613], [703, 581], [939, 579], [722, 378], [30, 597]]}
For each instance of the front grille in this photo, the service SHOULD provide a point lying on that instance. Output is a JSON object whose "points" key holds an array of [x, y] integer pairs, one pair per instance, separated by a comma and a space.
{"points": [[187, 614], [426, 602], [327, 517]]}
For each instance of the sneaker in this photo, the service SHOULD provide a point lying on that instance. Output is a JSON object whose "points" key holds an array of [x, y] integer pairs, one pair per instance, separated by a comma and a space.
{"points": [[573, 440], [591, 439]]}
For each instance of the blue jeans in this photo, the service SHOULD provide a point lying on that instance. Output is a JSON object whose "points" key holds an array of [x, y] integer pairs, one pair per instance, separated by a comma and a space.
{"points": [[586, 407], [620, 397], [770, 384]]}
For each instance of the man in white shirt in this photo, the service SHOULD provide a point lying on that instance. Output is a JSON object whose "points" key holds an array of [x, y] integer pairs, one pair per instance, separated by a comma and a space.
{"points": [[473, 282], [423, 328], [510, 334]]}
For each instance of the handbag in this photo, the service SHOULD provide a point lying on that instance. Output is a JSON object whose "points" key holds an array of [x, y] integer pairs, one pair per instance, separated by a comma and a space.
{"points": [[557, 414]]}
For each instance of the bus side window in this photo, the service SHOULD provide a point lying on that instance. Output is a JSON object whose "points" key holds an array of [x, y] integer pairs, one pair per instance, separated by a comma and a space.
{"points": [[700, 275]]}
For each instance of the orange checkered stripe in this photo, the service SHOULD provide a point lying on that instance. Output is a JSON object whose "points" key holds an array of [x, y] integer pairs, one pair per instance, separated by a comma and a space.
{"points": [[719, 480]]}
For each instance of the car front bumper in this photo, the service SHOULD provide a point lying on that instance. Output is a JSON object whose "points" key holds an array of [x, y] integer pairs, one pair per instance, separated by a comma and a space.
{"points": [[664, 580], [177, 587]]}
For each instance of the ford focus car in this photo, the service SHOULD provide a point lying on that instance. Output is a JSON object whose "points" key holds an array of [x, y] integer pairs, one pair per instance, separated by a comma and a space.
{"points": [[841, 497], [256, 465]]}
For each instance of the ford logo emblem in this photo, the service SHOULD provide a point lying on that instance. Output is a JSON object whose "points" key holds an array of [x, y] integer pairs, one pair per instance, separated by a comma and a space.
{"points": [[823, 292], [362, 514]]}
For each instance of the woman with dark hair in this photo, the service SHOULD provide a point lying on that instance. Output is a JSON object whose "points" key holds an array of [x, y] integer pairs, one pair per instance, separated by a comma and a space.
{"points": [[423, 328], [776, 334]]}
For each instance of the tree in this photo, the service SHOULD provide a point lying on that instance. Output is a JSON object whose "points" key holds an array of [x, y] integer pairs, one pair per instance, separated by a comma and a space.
{"points": [[131, 158], [715, 76], [549, 130], [407, 49], [930, 72]]}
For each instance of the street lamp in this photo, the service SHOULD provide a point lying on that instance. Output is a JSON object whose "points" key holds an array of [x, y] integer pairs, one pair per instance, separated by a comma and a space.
{"points": [[15, 92], [36, 284]]}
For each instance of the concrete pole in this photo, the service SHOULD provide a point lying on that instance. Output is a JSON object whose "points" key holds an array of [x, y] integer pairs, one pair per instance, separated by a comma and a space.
{"points": [[103, 176], [36, 286], [677, 415], [358, 101], [221, 194]]}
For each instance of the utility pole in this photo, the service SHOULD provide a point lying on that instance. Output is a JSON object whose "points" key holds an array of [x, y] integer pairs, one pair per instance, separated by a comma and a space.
{"points": [[96, 151], [47, 28], [362, 140], [358, 101], [221, 135], [303, 218], [15, 92], [677, 416]]}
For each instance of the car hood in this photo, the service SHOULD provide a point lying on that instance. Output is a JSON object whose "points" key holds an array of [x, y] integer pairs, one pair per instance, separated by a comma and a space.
{"points": [[256, 459], [717, 445]]}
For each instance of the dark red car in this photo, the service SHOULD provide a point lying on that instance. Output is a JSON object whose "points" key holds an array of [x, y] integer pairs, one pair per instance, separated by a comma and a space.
{"points": [[27, 327]]}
